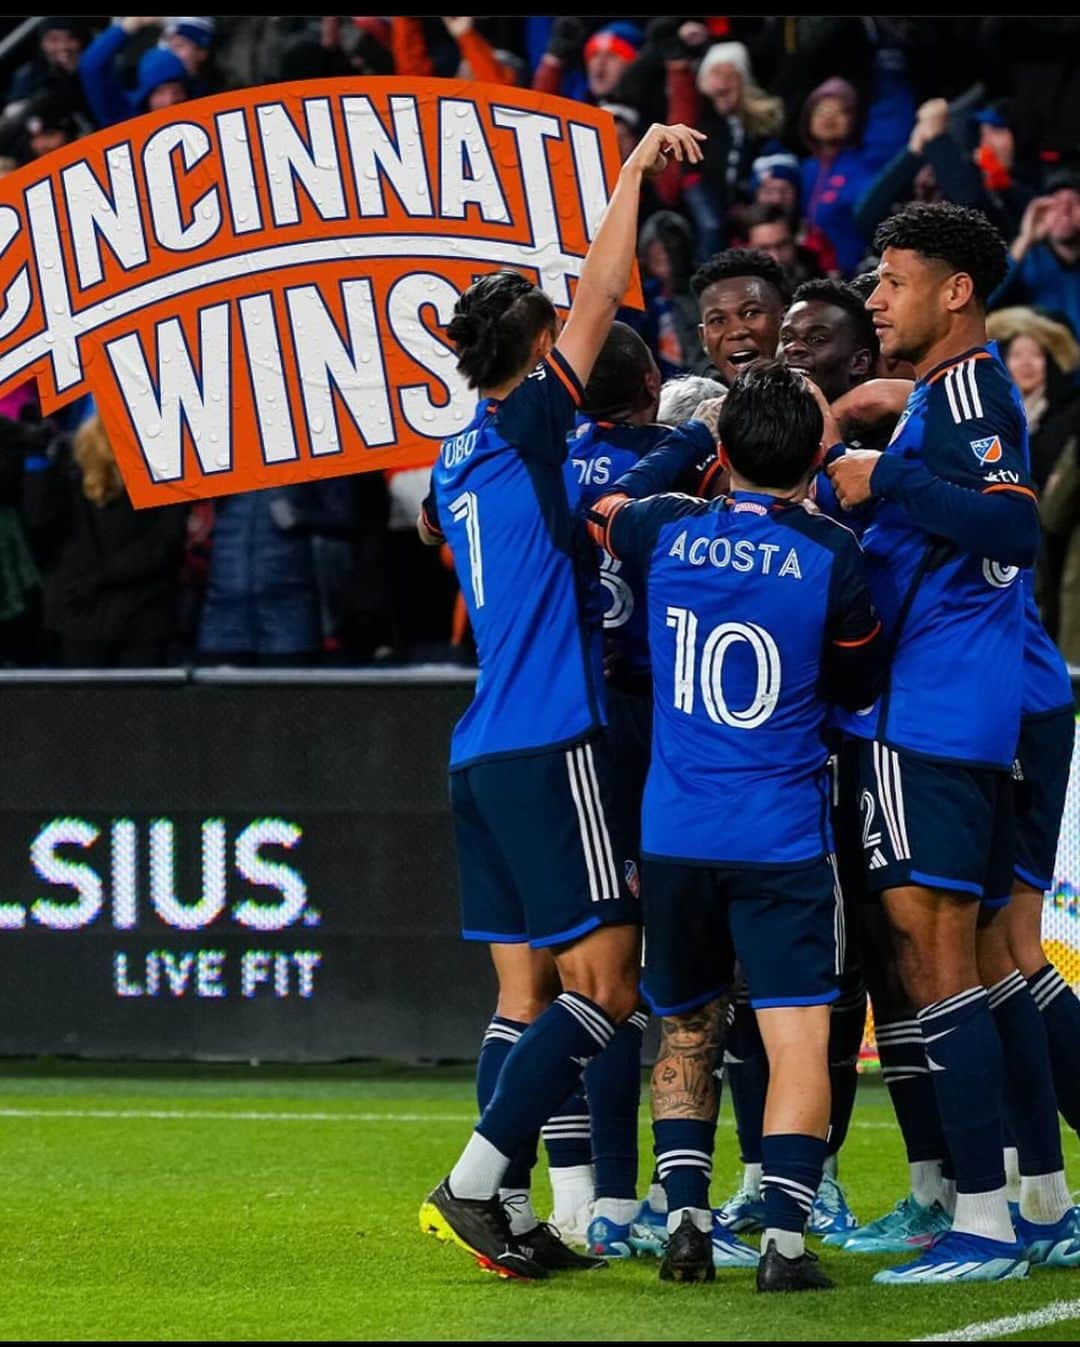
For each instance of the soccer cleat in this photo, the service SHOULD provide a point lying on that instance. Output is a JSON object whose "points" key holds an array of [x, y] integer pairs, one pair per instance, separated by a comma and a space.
{"points": [[1056, 1245], [960, 1257], [909, 1226], [830, 1214], [648, 1231], [727, 1251], [480, 1227], [688, 1255], [777, 1273], [609, 1238], [551, 1253], [742, 1211]]}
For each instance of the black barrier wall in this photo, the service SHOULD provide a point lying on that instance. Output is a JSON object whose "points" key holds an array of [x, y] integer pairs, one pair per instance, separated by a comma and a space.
{"points": [[233, 870]]}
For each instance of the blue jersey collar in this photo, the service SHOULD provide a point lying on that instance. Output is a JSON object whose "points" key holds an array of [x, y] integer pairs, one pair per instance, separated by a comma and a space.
{"points": [[931, 374], [761, 498]]}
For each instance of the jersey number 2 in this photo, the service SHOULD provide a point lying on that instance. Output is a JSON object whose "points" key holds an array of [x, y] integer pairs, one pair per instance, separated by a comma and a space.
{"points": [[467, 507], [718, 642]]}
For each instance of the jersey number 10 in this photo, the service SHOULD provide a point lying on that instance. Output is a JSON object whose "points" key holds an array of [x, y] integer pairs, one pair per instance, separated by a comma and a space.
{"points": [[710, 674]]}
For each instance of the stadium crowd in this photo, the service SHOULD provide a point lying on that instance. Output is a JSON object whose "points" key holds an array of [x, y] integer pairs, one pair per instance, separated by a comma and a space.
{"points": [[818, 128]]}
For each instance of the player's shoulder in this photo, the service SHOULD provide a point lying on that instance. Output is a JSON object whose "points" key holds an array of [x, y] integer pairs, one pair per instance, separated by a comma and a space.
{"points": [[831, 534], [975, 387]]}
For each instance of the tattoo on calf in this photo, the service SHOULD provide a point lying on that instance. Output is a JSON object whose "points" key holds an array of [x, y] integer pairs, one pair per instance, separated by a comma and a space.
{"points": [[682, 1079]]}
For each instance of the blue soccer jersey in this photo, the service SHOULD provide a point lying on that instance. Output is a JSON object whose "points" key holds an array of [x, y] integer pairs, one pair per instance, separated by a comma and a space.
{"points": [[759, 612], [954, 616], [526, 569]]}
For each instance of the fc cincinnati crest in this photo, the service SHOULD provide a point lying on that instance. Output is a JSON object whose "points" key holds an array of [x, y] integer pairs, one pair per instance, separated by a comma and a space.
{"points": [[632, 881], [988, 450]]}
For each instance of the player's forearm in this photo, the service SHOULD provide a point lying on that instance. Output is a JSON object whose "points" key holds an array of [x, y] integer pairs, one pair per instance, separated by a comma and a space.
{"points": [[605, 273], [999, 524], [680, 451], [853, 676]]}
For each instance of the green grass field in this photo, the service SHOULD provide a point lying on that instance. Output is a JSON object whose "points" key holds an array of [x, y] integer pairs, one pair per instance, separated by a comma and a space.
{"points": [[269, 1203]]}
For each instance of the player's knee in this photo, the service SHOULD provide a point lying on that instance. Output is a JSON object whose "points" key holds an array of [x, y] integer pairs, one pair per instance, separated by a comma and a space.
{"points": [[524, 1006]]}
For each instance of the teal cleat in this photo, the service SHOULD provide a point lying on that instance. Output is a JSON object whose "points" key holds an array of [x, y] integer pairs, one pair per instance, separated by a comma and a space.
{"points": [[830, 1215], [648, 1233], [743, 1211], [608, 1238], [959, 1257], [727, 1251], [1056, 1245], [909, 1226]]}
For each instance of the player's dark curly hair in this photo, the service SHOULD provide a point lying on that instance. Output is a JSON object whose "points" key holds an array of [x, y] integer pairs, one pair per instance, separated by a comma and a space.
{"points": [[846, 297], [770, 425], [957, 235], [494, 326], [741, 262], [616, 385]]}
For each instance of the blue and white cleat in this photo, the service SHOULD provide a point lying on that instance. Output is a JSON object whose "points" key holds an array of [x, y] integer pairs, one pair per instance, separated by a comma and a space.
{"points": [[742, 1211], [830, 1214], [727, 1251], [648, 1232], [1056, 1245], [608, 1238], [907, 1228], [960, 1257]]}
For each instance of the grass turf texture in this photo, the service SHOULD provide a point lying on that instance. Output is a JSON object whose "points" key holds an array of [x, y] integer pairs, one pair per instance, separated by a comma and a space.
{"points": [[217, 1227]]}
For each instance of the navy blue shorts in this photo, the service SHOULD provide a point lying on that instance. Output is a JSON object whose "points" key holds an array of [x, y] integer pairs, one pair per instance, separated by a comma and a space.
{"points": [[785, 927], [940, 825], [540, 854], [1040, 781], [630, 738]]}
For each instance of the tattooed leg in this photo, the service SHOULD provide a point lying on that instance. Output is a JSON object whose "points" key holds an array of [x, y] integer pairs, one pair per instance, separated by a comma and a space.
{"points": [[682, 1079]]}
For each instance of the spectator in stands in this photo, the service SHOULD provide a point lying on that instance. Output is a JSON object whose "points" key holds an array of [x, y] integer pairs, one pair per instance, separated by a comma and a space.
{"points": [[194, 40], [45, 125], [666, 261], [769, 228], [1059, 510], [20, 579], [680, 397], [262, 597], [722, 100], [776, 180], [111, 596], [54, 67], [606, 55], [1043, 272], [835, 175], [477, 59], [162, 79]]}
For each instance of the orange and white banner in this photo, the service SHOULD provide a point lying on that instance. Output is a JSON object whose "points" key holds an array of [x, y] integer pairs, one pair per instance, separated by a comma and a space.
{"points": [[253, 286]]}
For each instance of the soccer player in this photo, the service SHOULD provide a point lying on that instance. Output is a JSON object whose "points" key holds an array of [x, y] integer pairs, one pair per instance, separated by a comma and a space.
{"points": [[618, 429], [529, 767], [953, 522], [741, 294], [828, 335], [758, 615]]}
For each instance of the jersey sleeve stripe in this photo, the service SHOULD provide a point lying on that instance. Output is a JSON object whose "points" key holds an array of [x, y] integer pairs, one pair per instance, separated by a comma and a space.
{"points": [[1011, 486], [600, 515], [862, 640], [973, 388], [561, 367], [716, 466], [979, 355]]}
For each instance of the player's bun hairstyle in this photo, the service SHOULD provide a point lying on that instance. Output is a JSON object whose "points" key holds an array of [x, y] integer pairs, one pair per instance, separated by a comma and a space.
{"points": [[770, 425], [616, 385], [495, 323], [845, 296], [736, 262], [961, 237]]}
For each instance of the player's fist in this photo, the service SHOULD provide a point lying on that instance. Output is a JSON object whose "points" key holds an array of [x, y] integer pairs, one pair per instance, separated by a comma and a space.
{"points": [[709, 412], [850, 475]]}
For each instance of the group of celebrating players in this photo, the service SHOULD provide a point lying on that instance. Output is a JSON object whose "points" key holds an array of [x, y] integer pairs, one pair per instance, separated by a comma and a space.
{"points": [[750, 677]]}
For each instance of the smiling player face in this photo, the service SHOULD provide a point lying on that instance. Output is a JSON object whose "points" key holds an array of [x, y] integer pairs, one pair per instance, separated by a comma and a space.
{"points": [[740, 323], [908, 304]]}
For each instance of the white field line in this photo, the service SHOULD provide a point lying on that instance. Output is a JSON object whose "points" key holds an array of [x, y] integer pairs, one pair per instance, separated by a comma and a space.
{"points": [[1055, 1313], [213, 1115]]}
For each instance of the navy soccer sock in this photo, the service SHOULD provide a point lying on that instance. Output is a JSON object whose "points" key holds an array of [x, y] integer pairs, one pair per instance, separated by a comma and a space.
{"points": [[683, 1149], [791, 1168], [746, 1069], [963, 1053], [907, 1077], [1060, 1011], [846, 1025], [1030, 1102], [538, 1076], [566, 1134], [613, 1083], [499, 1037]]}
